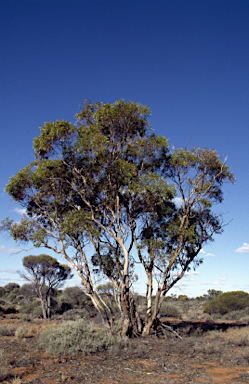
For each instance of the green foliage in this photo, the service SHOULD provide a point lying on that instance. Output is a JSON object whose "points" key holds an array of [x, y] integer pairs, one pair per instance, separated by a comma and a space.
{"points": [[33, 308], [75, 338], [170, 310], [26, 293], [227, 302], [10, 287], [108, 181], [2, 291], [73, 299], [46, 274], [182, 297], [212, 294], [47, 269], [12, 297]]}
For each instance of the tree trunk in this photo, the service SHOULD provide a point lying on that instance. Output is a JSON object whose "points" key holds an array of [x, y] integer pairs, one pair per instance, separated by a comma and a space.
{"points": [[152, 321], [147, 322], [44, 312], [48, 305], [131, 320]]}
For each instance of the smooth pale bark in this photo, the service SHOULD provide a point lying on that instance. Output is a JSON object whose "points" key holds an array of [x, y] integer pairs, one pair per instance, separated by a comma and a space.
{"points": [[44, 311], [147, 323]]}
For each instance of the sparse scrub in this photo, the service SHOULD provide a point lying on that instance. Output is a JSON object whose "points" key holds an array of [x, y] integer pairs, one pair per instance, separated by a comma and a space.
{"points": [[7, 330], [236, 315], [25, 331], [236, 335], [3, 360], [206, 348], [4, 373], [76, 314], [74, 338], [170, 310], [26, 316], [245, 319]]}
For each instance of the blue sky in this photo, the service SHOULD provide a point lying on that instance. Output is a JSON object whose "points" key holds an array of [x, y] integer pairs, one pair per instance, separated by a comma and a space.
{"points": [[187, 60]]}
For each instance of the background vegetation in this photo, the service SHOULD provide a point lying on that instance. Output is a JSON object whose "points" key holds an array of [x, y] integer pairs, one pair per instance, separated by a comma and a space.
{"points": [[73, 304]]}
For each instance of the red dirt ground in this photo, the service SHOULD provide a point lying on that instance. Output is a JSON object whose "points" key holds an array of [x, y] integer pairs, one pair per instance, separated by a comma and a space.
{"points": [[148, 360]]}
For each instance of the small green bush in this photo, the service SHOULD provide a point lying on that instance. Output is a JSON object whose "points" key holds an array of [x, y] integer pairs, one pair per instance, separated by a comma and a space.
{"points": [[170, 310], [228, 302], [75, 338]]}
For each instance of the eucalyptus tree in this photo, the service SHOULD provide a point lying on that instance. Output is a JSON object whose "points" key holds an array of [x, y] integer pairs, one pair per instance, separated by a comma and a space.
{"points": [[45, 273], [101, 192], [91, 182]]}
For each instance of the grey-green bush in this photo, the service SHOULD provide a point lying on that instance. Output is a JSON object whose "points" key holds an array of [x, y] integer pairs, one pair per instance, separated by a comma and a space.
{"points": [[75, 338], [76, 314], [236, 315], [170, 310]]}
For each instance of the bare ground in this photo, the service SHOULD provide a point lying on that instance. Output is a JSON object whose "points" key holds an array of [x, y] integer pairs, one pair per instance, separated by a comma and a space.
{"points": [[194, 359]]}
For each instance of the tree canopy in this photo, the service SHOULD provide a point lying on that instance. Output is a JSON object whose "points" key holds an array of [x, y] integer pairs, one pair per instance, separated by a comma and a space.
{"points": [[46, 274], [109, 182]]}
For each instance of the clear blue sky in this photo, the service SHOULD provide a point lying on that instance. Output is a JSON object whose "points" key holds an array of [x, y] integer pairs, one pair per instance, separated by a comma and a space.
{"points": [[188, 60]]}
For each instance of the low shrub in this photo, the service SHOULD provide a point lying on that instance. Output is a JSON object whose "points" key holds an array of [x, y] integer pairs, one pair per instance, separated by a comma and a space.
{"points": [[234, 335], [25, 331], [228, 302], [170, 310], [236, 315], [245, 319], [26, 316], [6, 330], [76, 314], [75, 338], [206, 348], [238, 336]]}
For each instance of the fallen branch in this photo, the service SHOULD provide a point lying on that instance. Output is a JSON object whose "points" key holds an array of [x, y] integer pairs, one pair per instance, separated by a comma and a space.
{"points": [[171, 330]]}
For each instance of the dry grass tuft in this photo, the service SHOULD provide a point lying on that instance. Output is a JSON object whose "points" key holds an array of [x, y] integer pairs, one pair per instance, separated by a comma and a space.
{"points": [[238, 336], [25, 331], [16, 380], [31, 330]]}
